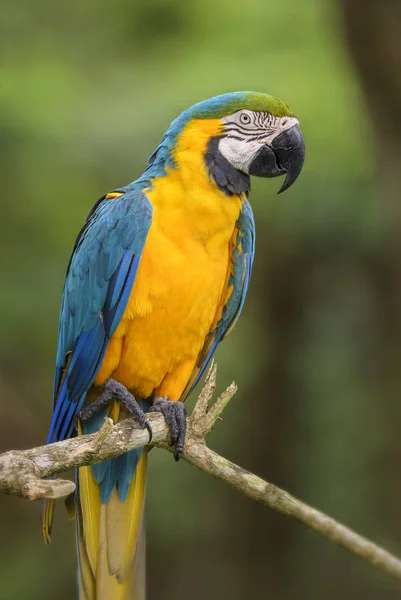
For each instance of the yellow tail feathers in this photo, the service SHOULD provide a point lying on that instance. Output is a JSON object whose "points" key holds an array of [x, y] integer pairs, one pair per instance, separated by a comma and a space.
{"points": [[111, 539], [47, 519]]}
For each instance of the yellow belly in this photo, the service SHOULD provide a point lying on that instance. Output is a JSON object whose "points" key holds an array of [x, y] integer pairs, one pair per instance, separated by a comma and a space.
{"points": [[170, 312], [179, 285]]}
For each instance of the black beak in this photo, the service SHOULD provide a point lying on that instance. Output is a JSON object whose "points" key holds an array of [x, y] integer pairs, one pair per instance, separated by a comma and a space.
{"points": [[285, 155]]}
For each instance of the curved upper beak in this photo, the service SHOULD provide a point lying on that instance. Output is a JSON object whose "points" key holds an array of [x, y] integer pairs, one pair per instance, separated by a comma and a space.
{"points": [[285, 155]]}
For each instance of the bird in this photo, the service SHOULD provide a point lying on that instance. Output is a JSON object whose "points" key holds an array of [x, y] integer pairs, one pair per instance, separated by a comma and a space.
{"points": [[156, 280]]}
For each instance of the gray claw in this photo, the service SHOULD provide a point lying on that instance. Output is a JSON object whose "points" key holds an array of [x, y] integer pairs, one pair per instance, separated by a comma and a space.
{"points": [[113, 390], [175, 415]]}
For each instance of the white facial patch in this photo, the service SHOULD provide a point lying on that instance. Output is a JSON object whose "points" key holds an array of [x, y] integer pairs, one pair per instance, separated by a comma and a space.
{"points": [[246, 132], [238, 153]]}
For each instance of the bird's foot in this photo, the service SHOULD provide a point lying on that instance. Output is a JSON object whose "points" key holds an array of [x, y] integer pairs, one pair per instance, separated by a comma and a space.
{"points": [[113, 390], [175, 415]]}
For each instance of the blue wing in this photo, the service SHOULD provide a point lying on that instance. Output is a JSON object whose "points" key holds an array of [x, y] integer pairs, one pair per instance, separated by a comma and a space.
{"points": [[98, 284], [242, 260]]}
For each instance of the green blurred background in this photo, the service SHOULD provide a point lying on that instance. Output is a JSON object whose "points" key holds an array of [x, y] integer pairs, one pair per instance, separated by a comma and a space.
{"points": [[87, 88]]}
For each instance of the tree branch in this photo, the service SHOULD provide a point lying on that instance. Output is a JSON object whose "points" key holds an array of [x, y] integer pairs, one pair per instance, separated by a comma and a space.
{"points": [[22, 472]]}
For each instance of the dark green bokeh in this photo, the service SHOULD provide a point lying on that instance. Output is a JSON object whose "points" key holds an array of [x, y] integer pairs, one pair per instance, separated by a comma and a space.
{"points": [[87, 89]]}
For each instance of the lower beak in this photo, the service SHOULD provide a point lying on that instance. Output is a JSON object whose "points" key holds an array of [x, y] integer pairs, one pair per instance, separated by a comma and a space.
{"points": [[285, 155]]}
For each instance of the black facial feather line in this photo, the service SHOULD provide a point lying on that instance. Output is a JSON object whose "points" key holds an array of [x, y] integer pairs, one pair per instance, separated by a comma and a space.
{"points": [[227, 178]]}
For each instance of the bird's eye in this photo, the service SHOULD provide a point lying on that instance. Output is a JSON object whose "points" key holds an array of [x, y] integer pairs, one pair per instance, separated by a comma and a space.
{"points": [[245, 118]]}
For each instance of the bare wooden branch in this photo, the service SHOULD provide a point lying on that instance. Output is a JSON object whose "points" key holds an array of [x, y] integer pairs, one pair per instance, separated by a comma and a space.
{"points": [[218, 407], [23, 472]]}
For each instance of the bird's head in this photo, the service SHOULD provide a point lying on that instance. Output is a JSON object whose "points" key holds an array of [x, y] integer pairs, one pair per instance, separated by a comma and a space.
{"points": [[252, 133]]}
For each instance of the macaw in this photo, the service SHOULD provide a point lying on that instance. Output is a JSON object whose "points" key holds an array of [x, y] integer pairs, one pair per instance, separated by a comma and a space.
{"points": [[157, 279]]}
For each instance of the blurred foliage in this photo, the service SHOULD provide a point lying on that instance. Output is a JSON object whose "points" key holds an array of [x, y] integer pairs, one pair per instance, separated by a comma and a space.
{"points": [[87, 89]]}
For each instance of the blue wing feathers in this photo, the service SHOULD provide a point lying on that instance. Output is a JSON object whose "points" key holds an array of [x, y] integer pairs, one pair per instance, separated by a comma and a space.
{"points": [[243, 260], [118, 292], [117, 281], [98, 284]]}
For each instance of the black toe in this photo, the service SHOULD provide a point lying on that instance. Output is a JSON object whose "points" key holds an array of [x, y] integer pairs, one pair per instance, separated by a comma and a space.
{"points": [[113, 390], [175, 415]]}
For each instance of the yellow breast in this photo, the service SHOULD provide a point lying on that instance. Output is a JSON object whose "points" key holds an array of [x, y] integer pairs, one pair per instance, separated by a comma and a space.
{"points": [[181, 278]]}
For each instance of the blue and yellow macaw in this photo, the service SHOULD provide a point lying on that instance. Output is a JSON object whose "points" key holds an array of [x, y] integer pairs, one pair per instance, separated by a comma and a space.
{"points": [[157, 278]]}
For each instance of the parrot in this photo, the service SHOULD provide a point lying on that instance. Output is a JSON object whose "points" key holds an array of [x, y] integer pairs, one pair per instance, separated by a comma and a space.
{"points": [[157, 279]]}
